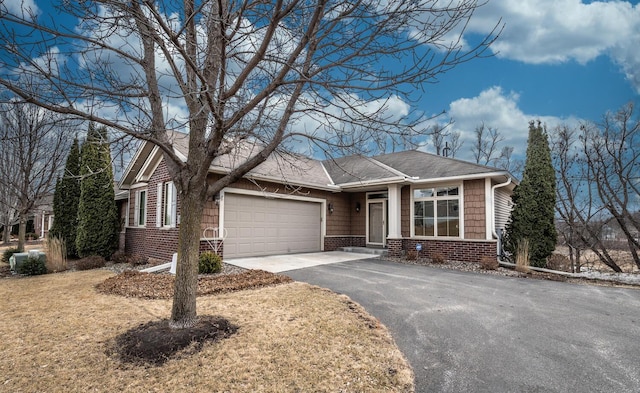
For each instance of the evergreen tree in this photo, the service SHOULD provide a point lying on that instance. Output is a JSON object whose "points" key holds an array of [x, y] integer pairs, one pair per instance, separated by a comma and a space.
{"points": [[535, 198], [97, 212], [65, 201]]}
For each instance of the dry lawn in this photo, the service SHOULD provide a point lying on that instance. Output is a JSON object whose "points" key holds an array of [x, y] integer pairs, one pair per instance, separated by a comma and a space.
{"points": [[291, 338]]}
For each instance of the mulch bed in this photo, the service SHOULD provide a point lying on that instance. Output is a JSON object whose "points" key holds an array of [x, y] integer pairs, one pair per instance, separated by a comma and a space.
{"points": [[156, 342], [133, 283]]}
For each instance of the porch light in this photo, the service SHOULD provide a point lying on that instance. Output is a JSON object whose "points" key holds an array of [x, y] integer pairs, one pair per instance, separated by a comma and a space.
{"points": [[357, 207], [330, 208]]}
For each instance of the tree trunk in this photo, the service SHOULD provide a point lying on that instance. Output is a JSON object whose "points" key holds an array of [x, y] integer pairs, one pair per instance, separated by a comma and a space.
{"points": [[183, 313], [22, 231], [6, 234]]}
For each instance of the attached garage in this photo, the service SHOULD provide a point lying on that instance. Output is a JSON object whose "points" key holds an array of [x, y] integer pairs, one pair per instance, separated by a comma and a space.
{"points": [[256, 225]]}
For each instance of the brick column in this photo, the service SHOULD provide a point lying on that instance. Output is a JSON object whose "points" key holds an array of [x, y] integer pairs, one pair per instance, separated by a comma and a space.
{"points": [[394, 248]]}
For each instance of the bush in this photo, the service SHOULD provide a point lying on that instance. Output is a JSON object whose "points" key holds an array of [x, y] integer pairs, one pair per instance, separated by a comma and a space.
{"points": [[31, 236], [8, 253], [32, 267], [138, 260], [133, 260], [438, 258], [412, 255], [559, 262], [209, 263], [92, 262], [489, 263]]}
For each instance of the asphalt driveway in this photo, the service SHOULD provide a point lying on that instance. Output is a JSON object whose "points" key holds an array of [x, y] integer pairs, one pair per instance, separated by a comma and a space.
{"points": [[466, 332]]}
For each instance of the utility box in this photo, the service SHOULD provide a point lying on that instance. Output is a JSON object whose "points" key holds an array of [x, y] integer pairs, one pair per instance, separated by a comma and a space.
{"points": [[19, 258]]}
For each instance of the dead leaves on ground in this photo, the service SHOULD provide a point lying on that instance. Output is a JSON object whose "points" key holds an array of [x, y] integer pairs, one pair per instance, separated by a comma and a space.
{"points": [[160, 286]]}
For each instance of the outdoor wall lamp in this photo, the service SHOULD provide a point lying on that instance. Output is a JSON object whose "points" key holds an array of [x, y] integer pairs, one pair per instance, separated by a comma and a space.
{"points": [[330, 208], [216, 199], [357, 207]]}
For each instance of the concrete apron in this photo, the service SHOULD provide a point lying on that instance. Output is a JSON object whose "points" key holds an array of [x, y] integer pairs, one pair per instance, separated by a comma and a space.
{"points": [[283, 263]]}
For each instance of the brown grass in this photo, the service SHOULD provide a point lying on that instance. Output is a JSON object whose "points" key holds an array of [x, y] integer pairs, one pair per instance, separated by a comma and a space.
{"points": [[291, 337]]}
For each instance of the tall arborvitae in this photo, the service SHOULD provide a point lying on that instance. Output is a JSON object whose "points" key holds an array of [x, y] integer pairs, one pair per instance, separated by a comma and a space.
{"points": [[532, 217], [65, 202], [97, 211]]}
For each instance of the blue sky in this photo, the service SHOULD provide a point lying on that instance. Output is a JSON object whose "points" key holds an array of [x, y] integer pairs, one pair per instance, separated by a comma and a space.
{"points": [[559, 61]]}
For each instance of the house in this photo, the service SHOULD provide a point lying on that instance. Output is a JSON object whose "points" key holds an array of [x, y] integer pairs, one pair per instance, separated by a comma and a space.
{"points": [[289, 204]]}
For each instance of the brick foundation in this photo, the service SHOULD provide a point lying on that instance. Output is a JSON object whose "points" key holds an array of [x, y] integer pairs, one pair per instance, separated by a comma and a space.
{"points": [[332, 243], [454, 250]]}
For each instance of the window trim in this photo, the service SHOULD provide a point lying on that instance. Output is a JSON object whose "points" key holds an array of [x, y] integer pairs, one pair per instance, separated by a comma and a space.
{"points": [[435, 198], [137, 207], [167, 207]]}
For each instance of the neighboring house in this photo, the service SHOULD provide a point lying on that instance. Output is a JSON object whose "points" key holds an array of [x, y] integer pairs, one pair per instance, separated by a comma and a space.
{"points": [[293, 204], [42, 216]]}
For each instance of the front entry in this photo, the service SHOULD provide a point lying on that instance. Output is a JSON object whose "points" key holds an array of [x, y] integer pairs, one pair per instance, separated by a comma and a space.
{"points": [[376, 222]]}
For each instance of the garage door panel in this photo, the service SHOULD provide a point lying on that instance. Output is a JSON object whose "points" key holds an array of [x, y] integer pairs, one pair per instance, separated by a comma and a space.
{"points": [[259, 226]]}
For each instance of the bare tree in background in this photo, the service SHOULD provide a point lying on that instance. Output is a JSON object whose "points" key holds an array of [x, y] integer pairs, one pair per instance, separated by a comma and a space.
{"points": [[487, 151], [598, 183], [445, 142], [34, 144], [485, 144], [612, 154], [287, 75]]}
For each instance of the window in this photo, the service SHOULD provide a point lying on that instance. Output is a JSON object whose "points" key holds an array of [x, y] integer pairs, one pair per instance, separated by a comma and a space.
{"points": [[436, 211], [140, 214], [166, 205]]}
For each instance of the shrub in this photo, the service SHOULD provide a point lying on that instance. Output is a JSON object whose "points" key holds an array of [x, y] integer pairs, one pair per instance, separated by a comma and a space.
{"points": [[31, 236], [522, 256], [138, 260], [32, 267], [8, 253], [438, 258], [56, 255], [489, 263], [92, 262], [209, 263], [559, 262], [119, 257], [412, 255], [133, 260]]}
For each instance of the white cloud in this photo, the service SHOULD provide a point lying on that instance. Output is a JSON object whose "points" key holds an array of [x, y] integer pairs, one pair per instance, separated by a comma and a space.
{"points": [[497, 109], [556, 31], [18, 7]]}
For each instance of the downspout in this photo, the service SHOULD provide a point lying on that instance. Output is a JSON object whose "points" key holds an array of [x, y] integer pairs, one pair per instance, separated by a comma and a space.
{"points": [[493, 214], [493, 205]]}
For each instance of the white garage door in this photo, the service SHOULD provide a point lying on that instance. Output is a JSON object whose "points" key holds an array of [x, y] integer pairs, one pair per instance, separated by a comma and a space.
{"points": [[259, 226]]}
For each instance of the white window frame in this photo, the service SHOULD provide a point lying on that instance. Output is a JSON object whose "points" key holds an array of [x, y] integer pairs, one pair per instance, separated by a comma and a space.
{"points": [[166, 205], [136, 216], [435, 198]]}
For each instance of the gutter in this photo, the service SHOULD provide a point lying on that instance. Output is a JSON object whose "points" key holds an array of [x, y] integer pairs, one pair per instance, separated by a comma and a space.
{"points": [[493, 205]]}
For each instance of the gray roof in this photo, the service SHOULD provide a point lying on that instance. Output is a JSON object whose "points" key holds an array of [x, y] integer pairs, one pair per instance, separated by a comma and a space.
{"points": [[357, 168], [415, 163], [299, 170], [284, 167]]}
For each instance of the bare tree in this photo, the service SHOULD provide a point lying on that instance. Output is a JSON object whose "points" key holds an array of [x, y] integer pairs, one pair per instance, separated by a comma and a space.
{"points": [[612, 153], [456, 143], [485, 144], [438, 134], [336, 74], [34, 145]]}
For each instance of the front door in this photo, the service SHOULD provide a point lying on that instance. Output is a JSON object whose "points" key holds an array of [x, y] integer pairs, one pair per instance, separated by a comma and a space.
{"points": [[376, 226]]}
